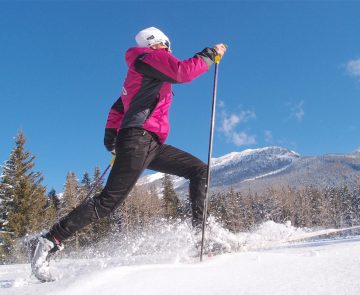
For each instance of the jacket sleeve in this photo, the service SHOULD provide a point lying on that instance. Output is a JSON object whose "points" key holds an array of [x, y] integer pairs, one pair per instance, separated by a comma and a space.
{"points": [[116, 115], [113, 123], [165, 67]]}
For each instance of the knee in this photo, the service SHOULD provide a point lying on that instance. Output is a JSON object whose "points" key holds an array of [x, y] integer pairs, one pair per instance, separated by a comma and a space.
{"points": [[199, 172], [103, 207]]}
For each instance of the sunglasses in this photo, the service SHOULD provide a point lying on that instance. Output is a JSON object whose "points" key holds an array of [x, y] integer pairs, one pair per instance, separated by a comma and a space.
{"points": [[167, 44]]}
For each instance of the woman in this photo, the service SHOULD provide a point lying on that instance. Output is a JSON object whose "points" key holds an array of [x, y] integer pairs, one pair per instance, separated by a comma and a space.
{"points": [[136, 129]]}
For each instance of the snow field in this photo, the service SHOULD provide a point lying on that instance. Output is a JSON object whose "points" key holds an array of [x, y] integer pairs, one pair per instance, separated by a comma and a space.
{"points": [[325, 267]]}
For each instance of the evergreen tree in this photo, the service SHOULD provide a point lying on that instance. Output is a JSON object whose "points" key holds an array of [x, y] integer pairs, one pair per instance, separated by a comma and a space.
{"points": [[347, 207], [155, 209], [85, 186], [101, 227], [70, 200], [333, 197], [56, 203], [356, 205], [83, 236], [23, 201], [248, 213], [6, 197], [218, 206], [99, 183], [170, 199]]}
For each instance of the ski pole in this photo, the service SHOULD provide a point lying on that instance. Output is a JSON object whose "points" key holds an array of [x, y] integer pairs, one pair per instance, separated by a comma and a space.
{"points": [[100, 178], [217, 61]]}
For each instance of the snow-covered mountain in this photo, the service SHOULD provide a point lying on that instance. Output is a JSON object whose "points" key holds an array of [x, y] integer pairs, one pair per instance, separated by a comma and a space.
{"points": [[357, 150], [250, 165], [258, 169]]}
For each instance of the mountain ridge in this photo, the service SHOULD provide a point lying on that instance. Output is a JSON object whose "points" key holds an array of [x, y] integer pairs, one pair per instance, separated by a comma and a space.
{"points": [[258, 169]]}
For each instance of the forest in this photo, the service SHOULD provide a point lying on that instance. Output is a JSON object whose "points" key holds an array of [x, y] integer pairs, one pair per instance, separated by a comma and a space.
{"points": [[27, 209]]}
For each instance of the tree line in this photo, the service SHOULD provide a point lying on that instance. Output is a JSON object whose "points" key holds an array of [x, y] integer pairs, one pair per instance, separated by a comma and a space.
{"points": [[26, 209], [308, 207]]}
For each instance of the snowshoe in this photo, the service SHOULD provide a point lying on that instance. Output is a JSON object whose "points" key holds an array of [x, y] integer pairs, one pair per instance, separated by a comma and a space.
{"points": [[42, 249]]}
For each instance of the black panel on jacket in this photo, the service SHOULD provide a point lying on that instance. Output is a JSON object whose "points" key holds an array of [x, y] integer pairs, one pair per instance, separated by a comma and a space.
{"points": [[118, 106], [146, 69], [143, 103]]}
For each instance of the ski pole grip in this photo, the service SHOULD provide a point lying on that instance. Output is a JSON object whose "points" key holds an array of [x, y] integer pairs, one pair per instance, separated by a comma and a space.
{"points": [[112, 160], [218, 57]]}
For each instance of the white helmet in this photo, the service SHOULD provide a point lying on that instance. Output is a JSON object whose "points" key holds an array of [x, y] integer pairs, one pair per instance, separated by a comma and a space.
{"points": [[151, 36]]}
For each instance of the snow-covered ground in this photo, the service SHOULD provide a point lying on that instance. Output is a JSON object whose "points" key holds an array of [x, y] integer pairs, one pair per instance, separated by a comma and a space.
{"points": [[263, 266]]}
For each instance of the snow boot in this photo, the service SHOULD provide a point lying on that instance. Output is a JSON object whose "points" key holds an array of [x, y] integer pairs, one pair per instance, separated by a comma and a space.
{"points": [[42, 249]]}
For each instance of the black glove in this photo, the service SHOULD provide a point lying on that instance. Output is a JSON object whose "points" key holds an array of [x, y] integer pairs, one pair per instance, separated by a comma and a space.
{"points": [[208, 53], [110, 139]]}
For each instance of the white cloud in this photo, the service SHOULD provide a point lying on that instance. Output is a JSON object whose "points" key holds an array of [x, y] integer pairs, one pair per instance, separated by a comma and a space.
{"points": [[247, 115], [353, 67], [297, 110], [242, 138], [221, 104], [230, 123], [268, 136]]}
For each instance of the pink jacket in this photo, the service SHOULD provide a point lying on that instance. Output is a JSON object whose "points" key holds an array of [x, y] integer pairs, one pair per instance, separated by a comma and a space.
{"points": [[147, 92]]}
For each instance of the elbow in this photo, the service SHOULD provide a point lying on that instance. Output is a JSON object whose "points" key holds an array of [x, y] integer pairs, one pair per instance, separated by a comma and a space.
{"points": [[183, 79]]}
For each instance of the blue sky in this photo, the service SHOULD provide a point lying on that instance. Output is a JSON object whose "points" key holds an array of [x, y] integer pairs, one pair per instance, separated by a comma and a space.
{"points": [[291, 76]]}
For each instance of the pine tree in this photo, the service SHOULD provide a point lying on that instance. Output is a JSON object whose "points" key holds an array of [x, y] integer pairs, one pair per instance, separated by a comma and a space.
{"points": [[347, 208], [55, 202], [70, 200], [155, 209], [356, 205], [217, 206], [248, 212], [101, 227], [170, 199], [85, 186], [99, 183], [83, 236], [23, 202]]}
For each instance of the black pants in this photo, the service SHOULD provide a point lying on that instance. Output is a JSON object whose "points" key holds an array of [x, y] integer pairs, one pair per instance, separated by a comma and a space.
{"points": [[136, 150]]}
